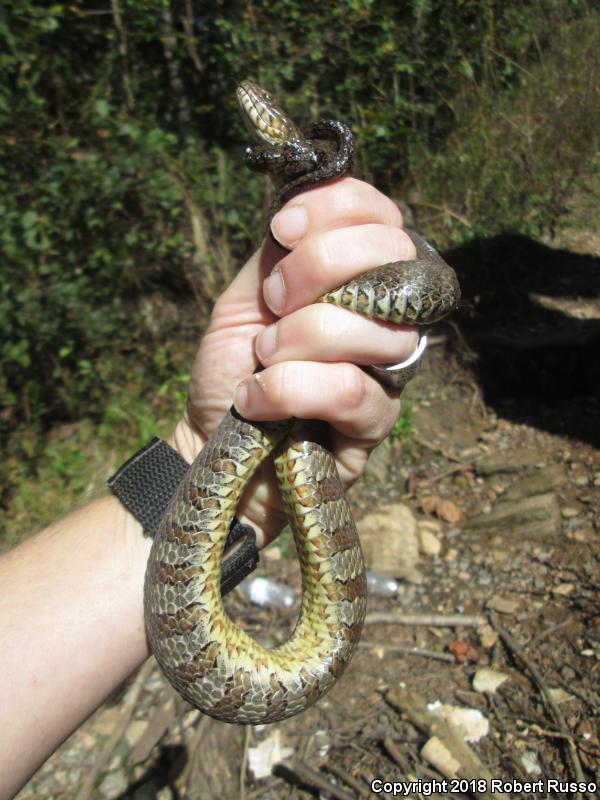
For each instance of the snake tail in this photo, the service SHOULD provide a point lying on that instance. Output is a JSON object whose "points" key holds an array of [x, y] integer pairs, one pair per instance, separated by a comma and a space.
{"points": [[214, 664]]}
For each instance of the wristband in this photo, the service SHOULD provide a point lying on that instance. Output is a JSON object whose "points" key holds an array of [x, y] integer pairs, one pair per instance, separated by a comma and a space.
{"points": [[145, 484]]}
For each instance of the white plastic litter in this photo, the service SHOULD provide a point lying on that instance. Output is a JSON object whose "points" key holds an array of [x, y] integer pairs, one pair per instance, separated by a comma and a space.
{"points": [[268, 593], [382, 585]]}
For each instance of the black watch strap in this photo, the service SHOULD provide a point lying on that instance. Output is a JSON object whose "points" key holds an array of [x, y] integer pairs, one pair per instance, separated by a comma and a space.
{"points": [[145, 484]]}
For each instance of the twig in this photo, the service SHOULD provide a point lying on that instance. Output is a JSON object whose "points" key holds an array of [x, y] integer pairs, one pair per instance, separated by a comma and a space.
{"points": [[187, 21], [118, 731], [510, 61], [244, 764], [349, 779], [434, 447], [399, 758], [411, 651], [552, 705], [436, 341], [123, 52], [183, 779], [390, 746], [463, 467], [454, 214], [311, 777], [428, 620], [547, 632], [263, 791]]}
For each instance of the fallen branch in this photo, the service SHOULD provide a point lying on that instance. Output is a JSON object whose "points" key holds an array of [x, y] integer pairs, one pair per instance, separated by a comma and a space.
{"points": [[411, 651], [244, 764], [428, 620]]}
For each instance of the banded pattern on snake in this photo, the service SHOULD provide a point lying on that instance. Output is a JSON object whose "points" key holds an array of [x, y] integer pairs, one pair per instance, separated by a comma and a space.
{"points": [[215, 665]]}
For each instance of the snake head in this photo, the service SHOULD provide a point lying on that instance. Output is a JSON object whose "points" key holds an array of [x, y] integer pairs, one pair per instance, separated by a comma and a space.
{"points": [[263, 117]]}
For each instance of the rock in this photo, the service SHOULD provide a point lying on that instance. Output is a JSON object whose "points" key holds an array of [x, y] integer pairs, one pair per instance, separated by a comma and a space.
{"points": [[560, 696], [536, 517], [430, 545], [543, 481], [584, 535], [106, 721], [488, 680], [389, 541], [113, 785], [488, 636], [563, 589], [134, 731], [432, 525], [503, 605], [442, 507], [568, 512]]}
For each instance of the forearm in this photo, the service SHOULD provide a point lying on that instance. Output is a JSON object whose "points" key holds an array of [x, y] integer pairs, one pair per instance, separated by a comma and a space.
{"points": [[71, 630]]}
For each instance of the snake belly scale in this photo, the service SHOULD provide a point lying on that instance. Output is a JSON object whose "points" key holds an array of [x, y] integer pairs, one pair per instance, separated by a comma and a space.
{"points": [[214, 664]]}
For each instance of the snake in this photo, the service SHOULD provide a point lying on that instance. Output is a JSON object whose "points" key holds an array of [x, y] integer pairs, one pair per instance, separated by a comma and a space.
{"points": [[212, 662]]}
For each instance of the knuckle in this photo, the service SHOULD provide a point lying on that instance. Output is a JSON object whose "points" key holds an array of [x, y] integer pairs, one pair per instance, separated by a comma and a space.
{"points": [[348, 201], [380, 421], [324, 250], [357, 198], [273, 384], [352, 387], [318, 323], [399, 243], [285, 388]]}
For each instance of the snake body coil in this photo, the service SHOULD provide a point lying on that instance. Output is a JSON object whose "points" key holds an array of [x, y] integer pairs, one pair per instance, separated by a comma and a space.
{"points": [[215, 665]]}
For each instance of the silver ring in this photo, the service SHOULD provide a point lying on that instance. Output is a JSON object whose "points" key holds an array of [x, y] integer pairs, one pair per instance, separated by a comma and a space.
{"points": [[396, 376]]}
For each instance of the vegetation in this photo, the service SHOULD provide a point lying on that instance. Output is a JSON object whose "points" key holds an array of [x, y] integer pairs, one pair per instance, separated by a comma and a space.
{"points": [[403, 428], [123, 194]]}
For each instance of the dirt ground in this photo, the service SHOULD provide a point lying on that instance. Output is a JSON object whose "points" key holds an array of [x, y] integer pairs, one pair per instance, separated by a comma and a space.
{"points": [[488, 517]]}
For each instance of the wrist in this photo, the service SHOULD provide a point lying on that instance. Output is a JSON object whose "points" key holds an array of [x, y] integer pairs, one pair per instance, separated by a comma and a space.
{"points": [[186, 440]]}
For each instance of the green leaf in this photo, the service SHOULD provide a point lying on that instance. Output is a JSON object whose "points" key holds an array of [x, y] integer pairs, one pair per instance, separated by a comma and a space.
{"points": [[29, 219], [103, 108]]}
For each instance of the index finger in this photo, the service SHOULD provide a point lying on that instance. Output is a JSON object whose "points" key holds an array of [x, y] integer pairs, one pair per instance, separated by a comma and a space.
{"points": [[340, 204]]}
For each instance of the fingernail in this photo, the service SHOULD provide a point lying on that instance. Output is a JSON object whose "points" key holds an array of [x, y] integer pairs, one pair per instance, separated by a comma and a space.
{"points": [[266, 342], [289, 225], [274, 291], [240, 398]]}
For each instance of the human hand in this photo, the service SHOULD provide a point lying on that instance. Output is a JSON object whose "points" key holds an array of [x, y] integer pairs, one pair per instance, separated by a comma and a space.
{"points": [[310, 351]]}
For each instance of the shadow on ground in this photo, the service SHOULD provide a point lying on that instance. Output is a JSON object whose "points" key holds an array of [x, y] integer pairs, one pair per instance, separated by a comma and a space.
{"points": [[530, 318]]}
